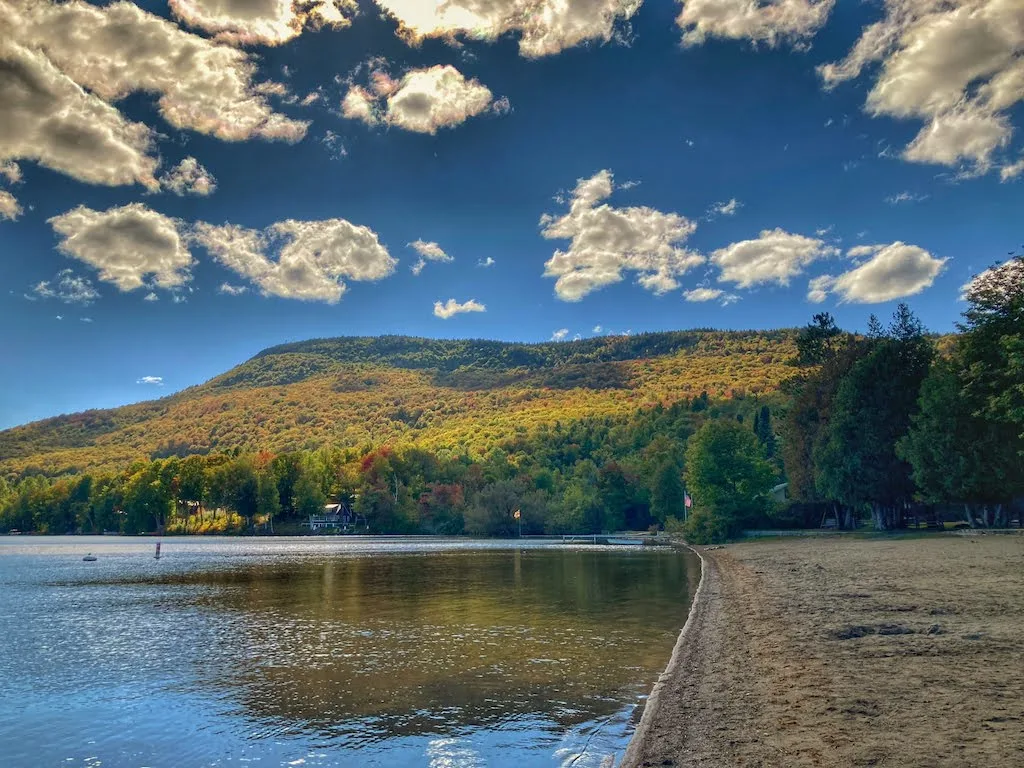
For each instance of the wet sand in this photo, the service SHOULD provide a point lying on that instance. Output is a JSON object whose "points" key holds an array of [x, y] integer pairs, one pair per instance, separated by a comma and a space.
{"points": [[844, 651]]}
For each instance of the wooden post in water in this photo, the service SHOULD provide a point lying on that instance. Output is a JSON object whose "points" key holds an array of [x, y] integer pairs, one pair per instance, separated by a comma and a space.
{"points": [[157, 555]]}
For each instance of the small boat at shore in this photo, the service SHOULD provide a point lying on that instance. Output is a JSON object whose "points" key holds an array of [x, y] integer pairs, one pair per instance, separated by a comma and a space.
{"points": [[90, 558]]}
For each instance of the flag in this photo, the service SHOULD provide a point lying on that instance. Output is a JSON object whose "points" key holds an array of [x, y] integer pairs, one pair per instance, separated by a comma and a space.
{"points": [[688, 501], [516, 514]]}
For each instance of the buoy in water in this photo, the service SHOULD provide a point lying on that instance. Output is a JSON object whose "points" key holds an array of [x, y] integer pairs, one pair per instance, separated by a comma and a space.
{"points": [[90, 558]]}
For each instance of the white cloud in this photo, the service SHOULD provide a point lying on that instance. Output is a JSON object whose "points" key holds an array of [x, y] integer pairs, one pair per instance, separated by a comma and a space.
{"points": [[189, 178], [546, 27], [597, 329], [9, 207], [423, 101], [608, 241], [127, 245], [263, 22], [334, 145], [703, 294], [48, 118], [427, 252], [956, 65], [488, 262], [818, 288], [431, 251], [1011, 171], [771, 22], [85, 319], [232, 290], [905, 197], [893, 271], [726, 209], [710, 294], [64, 65], [68, 288], [10, 171], [560, 334], [452, 307], [120, 49], [306, 260], [151, 297], [775, 256], [156, 381]]}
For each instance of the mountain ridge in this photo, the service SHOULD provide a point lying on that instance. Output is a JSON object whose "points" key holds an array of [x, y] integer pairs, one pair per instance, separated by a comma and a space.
{"points": [[443, 392]]}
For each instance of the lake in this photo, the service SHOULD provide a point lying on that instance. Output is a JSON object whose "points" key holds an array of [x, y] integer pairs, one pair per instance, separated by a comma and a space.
{"points": [[329, 651]]}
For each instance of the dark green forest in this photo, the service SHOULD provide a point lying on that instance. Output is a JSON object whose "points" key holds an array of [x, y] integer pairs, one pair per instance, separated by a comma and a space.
{"points": [[867, 429]]}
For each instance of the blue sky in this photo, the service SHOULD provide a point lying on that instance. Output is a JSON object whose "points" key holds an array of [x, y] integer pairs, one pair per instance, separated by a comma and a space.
{"points": [[615, 164]]}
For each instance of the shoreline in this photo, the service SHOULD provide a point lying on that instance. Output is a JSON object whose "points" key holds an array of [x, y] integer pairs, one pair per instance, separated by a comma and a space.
{"points": [[845, 651], [634, 749]]}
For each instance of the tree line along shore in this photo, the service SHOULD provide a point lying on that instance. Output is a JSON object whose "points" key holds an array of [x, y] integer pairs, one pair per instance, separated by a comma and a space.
{"points": [[869, 429]]}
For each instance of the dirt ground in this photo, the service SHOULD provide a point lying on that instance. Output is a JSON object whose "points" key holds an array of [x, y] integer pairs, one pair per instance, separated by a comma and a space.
{"points": [[845, 651]]}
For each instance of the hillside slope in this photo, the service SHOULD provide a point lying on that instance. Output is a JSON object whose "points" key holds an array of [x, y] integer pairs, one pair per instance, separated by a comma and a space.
{"points": [[464, 394]]}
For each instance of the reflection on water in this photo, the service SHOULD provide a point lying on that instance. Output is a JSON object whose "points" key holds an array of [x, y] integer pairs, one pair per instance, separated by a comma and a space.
{"points": [[329, 652]]}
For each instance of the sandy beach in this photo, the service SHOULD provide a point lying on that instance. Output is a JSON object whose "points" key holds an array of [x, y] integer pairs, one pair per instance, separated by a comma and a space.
{"points": [[848, 651]]}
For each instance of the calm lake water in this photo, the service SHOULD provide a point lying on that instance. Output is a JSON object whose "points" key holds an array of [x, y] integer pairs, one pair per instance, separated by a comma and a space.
{"points": [[329, 651]]}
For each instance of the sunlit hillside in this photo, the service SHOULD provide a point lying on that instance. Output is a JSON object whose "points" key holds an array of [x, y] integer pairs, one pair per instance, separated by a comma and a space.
{"points": [[436, 394]]}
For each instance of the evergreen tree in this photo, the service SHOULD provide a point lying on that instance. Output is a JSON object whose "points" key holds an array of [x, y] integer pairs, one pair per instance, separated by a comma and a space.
{"points": [[957, 455], [856, 459]]}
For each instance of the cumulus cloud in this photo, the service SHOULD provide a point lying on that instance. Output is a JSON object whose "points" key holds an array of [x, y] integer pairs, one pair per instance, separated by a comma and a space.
{"points": [[597, 329], [956, 65], [131, 246], [451, 308], [770, 21], [545, 27], [893, 271], [232, 290], [488, 262], [728, 208], [151, 296], [120, 49], [775, 256], [423, 100], [607, 241], [306, 260], [703, 294], [155, 381], [63, 66], [427, 252], [1011, 171], [560, 334], [68, 288], [431, 251], [48, 118], [10, 171], [189, 178], [10, 209], [263, 22]]}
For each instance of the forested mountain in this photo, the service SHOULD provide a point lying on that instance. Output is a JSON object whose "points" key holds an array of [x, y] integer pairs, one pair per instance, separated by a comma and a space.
{"points": [[456, 395], [693, 430]]}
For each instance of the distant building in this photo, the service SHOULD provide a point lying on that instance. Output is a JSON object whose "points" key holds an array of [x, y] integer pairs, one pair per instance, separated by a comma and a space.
{"points": [[778, 493], [335, 517]]}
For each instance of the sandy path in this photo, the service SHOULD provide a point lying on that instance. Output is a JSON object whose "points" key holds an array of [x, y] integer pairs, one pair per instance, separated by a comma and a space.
{"points": [[841, 651]]}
